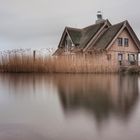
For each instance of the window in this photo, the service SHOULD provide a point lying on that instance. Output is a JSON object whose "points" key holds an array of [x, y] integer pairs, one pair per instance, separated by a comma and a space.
{"points": [[120, 42], [68, 43], [126, 42], [123, 42], [131, 57], [120, 57]]}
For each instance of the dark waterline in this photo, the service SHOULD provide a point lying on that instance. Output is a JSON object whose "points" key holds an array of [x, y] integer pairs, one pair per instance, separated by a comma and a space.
{"points": [[69, 107]]}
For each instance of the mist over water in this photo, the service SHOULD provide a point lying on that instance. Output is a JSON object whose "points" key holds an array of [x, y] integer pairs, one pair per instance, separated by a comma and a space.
{"points": [[69, 107]]}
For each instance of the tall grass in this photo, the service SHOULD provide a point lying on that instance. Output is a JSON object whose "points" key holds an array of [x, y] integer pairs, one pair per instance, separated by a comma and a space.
{"points": [[22, 62]]}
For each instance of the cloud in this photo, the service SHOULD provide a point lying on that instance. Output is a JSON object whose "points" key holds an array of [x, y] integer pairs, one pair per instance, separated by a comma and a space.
{"points": [[36, 24]]}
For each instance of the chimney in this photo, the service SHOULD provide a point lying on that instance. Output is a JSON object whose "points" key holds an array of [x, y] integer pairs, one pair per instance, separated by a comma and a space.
{"points": [[99, 17]]}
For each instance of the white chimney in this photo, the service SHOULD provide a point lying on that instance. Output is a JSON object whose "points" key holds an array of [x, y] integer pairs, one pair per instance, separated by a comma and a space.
{"points": [[99, 17]]}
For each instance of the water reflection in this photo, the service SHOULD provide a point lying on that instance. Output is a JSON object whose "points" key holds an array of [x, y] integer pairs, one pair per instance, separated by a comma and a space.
{"points": [[102, 95], [69, 107]]}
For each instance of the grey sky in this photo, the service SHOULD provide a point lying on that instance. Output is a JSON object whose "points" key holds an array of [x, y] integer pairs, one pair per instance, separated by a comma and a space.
{"points": [[40, 23]]}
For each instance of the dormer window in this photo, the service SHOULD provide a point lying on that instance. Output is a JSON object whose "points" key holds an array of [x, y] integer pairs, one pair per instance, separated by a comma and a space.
{"points": [[126, 42], [120, 42]]}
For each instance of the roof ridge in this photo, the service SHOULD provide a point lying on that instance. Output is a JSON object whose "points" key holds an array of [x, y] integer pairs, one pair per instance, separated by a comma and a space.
{"points": [[73, 28], [123, 22], [94, 24], [81, 29]]}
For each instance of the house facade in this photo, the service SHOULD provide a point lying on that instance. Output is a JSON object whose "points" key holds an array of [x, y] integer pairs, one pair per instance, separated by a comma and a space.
{"points": [[112, 44]]}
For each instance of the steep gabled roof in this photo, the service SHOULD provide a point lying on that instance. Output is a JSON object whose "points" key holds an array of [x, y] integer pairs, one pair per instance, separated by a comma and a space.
{"points": [[89, 32], [108, 35], [98, 36], [75, 34], [83, 36], [106, 39], [133, 35]]}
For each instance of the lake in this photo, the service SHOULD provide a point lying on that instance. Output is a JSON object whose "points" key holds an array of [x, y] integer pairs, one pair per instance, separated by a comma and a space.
{"points": [[69, 107]]}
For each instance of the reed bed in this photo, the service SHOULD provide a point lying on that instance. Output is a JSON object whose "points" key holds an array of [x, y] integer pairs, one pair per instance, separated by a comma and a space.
{"points": [[29, 63]]}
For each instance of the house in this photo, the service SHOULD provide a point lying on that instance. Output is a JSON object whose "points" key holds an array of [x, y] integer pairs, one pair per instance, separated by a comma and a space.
{"points": [[116, 44]]}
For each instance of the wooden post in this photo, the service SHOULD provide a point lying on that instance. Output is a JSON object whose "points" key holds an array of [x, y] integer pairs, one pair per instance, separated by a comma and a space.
{"points": [[34, 55]]}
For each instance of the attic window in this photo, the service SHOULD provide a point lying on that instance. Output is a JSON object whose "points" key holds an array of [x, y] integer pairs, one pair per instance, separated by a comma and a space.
{"points": [[120, 42], [126, 42]]}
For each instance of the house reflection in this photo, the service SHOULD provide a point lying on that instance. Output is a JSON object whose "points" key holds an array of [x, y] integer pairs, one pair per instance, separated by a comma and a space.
{"points": [[101, 95]]}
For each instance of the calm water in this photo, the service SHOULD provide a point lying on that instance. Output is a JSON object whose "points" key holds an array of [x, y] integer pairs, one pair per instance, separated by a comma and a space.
{"points": [[69, 107]]}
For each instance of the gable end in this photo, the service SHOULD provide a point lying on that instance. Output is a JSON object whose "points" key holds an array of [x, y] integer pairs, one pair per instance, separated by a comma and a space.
{"points": [[126, 26]]}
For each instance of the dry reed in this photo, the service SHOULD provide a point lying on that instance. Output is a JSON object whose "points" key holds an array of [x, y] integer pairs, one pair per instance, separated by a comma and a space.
{"points": [[20, 63]]}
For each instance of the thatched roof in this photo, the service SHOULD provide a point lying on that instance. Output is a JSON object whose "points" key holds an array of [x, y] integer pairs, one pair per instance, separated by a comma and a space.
{"points": [[75, 35], [108, 36], [97, 36], [83, 36]]}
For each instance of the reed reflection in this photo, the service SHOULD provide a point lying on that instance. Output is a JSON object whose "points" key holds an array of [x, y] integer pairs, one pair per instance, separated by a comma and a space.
{"points": [[26, 83]]}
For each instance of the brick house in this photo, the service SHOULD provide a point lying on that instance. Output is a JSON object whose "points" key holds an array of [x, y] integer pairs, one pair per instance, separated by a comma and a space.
{"points": [[116, 44]]}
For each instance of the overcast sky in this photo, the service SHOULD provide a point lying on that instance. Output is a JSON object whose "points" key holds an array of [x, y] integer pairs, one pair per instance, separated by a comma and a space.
{"points": [[40, 23]]}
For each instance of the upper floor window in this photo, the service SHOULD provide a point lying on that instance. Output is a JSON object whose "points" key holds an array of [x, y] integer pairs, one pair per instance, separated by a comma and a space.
{"points": [[126, 42], [123, 42], [120, 42]]}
